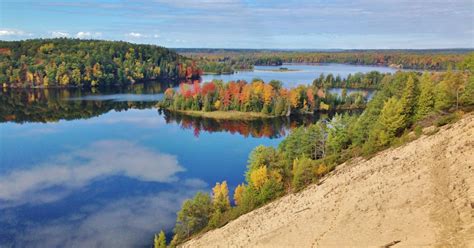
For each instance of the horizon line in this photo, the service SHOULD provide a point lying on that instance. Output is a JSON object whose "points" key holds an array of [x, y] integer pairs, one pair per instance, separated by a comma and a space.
{"points": [[250, 48]]}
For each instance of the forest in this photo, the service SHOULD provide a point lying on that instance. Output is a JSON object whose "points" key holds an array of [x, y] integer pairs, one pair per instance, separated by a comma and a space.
{"points": [[405, 103], [270, 99], [359, 80], [211, 60], [73, 62]]}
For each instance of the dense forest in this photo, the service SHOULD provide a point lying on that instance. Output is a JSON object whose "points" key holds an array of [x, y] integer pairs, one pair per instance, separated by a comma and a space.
{"points": [[370, 80], [224, 65], [234, 59], [75, 62], [405, 104], [270, 98]]}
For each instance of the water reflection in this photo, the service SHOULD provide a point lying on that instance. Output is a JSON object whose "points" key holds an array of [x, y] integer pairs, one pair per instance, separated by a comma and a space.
{"points": [[81, 166], [269, 128], [127, 222], [92, 196], [44, 106], [51, 105]]}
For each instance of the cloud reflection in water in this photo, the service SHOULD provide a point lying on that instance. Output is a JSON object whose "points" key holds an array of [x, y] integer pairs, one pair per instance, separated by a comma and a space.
{"points": [[124, 220], [78, 168]]}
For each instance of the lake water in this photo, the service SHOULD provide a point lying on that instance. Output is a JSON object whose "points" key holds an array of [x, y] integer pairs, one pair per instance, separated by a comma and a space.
{"points": [[106, 169], [297, 73]]}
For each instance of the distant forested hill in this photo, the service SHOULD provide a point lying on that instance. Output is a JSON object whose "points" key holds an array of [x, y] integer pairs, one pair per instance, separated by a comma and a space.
{"points": [[74, 62], [427, 59]]}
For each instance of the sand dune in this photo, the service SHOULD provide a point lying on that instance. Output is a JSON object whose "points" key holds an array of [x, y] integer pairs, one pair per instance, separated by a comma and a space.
{"points": [[417, 195]]}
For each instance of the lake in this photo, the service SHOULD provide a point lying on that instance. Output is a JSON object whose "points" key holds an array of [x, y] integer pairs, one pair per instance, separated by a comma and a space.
{"points": [[297, 73], [106, 169]]}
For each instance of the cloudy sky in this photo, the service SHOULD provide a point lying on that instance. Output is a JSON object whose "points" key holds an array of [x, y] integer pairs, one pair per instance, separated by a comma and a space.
{"points": [[248, 24]]}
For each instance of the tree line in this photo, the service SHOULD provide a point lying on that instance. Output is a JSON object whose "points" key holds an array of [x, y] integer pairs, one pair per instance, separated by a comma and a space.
{"points": [[405, 103], [260, 97], [407, 59], [359, 80], [75, 62]]}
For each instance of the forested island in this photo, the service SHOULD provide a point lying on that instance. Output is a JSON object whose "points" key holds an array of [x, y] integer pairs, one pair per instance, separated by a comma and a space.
{"points": [[231, 60], [405, 103], [257, 99], [74, 62]]}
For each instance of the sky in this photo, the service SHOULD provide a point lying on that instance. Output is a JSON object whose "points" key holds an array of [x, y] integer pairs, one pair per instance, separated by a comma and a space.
{"points": [[305, 24]]}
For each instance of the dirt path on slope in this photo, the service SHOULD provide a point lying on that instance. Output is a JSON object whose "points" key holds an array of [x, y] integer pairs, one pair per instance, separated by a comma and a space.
{"points": [[417, 195]]}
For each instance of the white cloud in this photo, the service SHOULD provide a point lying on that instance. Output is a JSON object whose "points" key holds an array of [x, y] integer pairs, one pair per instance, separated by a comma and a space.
{"points": [[78, 168], [85, 35], [135, 35], [11, 32], [58, 34]]}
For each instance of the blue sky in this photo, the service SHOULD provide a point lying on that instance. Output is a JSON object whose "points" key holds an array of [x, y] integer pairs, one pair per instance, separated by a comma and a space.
{"points": [[349, 24]]}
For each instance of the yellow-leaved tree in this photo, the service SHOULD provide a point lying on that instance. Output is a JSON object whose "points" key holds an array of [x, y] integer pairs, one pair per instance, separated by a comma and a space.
{"points": [[220, 197], [238, 194], [259, 177]]}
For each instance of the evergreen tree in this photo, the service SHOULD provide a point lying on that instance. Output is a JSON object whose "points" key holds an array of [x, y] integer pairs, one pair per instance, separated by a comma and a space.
{"points": [[426, 100], [442, 98], [338, 138], [160, 240], [408, 100], [467, 97], [174, 241], [391, 120]]}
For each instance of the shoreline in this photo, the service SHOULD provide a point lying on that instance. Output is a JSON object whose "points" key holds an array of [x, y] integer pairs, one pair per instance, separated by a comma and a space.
{"points": [[224, 115], [249, 116]]}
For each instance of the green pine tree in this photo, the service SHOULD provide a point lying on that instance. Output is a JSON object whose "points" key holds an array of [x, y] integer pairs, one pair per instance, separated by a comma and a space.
{"points": [[467, 97], [426, 100], [408, 101], [160, 240], [391, 120], [174, 241], [442, 98]]}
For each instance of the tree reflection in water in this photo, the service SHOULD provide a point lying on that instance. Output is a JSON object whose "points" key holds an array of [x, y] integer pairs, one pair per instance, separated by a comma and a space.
{"points": [[268, 127]]}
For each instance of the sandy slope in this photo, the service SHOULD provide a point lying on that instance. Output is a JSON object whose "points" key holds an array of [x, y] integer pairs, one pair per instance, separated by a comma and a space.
{"points": [[421, 194]]}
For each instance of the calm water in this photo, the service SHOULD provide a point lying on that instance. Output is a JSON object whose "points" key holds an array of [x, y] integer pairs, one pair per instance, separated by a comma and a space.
{"points": [[301, 74], [106, 169]]}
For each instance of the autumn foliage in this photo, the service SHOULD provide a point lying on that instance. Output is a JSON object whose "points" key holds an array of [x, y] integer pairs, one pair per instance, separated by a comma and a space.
{"points": [[257, 96]]}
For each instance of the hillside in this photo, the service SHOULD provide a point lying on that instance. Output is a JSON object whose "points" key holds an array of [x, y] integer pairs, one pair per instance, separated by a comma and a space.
{"points": [[75, 62], [419, 194]]}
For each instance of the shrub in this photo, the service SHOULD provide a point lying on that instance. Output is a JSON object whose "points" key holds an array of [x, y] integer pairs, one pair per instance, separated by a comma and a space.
{"points": [[447, 119]]}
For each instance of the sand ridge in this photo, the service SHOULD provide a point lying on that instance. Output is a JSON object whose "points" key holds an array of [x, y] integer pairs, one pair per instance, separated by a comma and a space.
{"points": [[418, 195]]}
